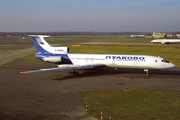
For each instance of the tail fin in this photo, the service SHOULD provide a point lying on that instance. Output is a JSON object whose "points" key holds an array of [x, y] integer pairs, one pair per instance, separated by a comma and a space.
{"points": [[43, 47], [39, 42]]}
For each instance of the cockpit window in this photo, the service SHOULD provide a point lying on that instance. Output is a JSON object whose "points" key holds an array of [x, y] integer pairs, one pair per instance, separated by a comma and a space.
{"points": [[164, 60]]}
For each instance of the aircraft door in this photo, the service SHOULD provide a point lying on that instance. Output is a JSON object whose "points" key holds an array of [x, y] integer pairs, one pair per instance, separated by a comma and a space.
{"points": [[114, 63]]}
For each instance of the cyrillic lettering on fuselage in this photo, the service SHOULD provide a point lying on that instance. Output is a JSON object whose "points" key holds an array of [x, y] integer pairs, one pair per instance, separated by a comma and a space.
{"points": [[125, 57]]}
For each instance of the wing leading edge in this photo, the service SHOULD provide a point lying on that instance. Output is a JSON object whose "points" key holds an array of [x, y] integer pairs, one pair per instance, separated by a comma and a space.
{"points": [[64, 67]]}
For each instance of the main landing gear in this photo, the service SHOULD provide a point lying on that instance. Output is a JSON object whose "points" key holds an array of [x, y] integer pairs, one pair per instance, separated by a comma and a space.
{"points": [[146, 70], [74, 73]]}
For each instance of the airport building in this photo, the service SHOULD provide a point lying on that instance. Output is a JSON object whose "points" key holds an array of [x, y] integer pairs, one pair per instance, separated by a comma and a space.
{"points": [[159, 35], [178, 35], [171, 36]]}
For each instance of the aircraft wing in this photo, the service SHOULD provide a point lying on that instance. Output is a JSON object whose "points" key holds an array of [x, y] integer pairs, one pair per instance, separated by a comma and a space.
{"points": [[64, 67]]}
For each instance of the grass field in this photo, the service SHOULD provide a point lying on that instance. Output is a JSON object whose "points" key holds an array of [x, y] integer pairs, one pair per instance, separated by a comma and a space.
{"points": [[84, 38], [102, 39], [121, 39], [136, 104]]}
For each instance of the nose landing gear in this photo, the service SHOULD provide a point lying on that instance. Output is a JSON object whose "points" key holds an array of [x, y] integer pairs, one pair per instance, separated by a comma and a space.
{"points": [[147, 73]]}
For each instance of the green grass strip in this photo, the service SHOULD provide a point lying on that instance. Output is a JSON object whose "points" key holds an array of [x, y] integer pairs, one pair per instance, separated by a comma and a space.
{"points": [[136, 104]]}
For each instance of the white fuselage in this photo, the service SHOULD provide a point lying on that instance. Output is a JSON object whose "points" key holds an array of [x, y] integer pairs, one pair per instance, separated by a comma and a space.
{"points": [[121, 61], [166, 41]]}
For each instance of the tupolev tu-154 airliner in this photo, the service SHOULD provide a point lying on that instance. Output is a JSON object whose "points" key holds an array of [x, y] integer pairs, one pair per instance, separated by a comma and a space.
{"points": [[75, 62]]}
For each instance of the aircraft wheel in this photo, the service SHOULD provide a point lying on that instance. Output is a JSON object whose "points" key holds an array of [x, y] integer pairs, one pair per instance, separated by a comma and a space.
{"points": [[75, 73], [147, 73]]}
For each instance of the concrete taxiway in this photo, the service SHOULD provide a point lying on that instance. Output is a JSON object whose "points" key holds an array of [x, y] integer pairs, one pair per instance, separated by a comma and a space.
{"points": [[6, 57]]}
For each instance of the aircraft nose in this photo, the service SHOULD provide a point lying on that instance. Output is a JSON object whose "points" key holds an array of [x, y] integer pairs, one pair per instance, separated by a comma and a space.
{"points": [[171, 65]]}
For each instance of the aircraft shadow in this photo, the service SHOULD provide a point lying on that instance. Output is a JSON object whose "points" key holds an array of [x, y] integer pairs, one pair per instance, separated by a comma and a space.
{"points": [[128, 72]]}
